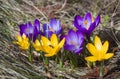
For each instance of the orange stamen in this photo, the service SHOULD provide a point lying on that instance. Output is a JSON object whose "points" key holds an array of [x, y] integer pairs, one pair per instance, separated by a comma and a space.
{"points": [[51, 29]]}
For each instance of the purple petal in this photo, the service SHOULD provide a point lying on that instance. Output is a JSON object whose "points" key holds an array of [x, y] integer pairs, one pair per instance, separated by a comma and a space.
{"points": [[30, 28], [80, 37], [78, 20], [92, 27], [45, 27], [71, 37], [77, 51], [46, 31], [35, 34], [56, 26], [62, 36], [53, 23], [23, 28], [83, 29], [97, 20], [37, 24], [88, 17], [69, 47]]}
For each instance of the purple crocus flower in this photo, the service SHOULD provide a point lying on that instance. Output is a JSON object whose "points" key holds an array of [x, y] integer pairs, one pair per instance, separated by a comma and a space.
{"points": [[86, 24], [53, 27], [31, 31], [74, 41]]}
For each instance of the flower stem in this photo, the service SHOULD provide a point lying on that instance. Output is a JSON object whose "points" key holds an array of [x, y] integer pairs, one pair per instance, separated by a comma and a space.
{"points": [[46, 61], [30, 57], [102, 69]]}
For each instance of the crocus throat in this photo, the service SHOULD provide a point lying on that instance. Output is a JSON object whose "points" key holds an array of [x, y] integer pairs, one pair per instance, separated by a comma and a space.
{"points": [[73, 43], [27, 30], [51, 29], [86, 24], [92, 19]]}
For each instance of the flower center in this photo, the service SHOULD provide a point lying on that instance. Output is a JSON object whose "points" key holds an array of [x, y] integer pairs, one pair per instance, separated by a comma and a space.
{"points": [[51, 29], [92, 19], [73, 43], [27, 30], [86, 24]]}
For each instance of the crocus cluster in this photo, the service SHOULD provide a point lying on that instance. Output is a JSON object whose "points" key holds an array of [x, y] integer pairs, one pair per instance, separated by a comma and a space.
{"points": [[31, 31], [53, 27], [47, 39], [85, 26], [50, 47], [29, 36]]}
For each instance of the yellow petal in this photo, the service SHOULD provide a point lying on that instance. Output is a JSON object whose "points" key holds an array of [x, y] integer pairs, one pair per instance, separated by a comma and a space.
{"points": [[61, 43], [24, 36], [98, 43], [47, 49], [91, 58], [49, 54], [108, 55], [54, 40], [92, 49], [37, 45], [37, 42], [19, 38], [45, 41], [105, 48], [24, 44]]}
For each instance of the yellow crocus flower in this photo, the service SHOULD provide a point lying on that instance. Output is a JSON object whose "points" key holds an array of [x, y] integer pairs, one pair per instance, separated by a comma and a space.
{"points": [[50, 47], [37, 45], [98, 50], [22, 41]]}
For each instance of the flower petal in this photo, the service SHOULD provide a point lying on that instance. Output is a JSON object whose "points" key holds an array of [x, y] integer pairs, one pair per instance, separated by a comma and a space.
{"points": [[105, 48], [108, 55], [53, 23], [61, 43], [37, 24], [88, 17], [80, 36], [37, 45], [45, 41], [77, 51], [91, 28], [91, 58], [23, 28], [92, 49], [54, 40], [19, 38], [97, 20], [77, 21], [98, 43]]}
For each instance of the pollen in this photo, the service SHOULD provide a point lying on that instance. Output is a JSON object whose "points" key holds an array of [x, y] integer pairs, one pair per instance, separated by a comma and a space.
{"points": [[51, 29], [92, 19], [73, 43], [86, 22], [27, 30]]}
